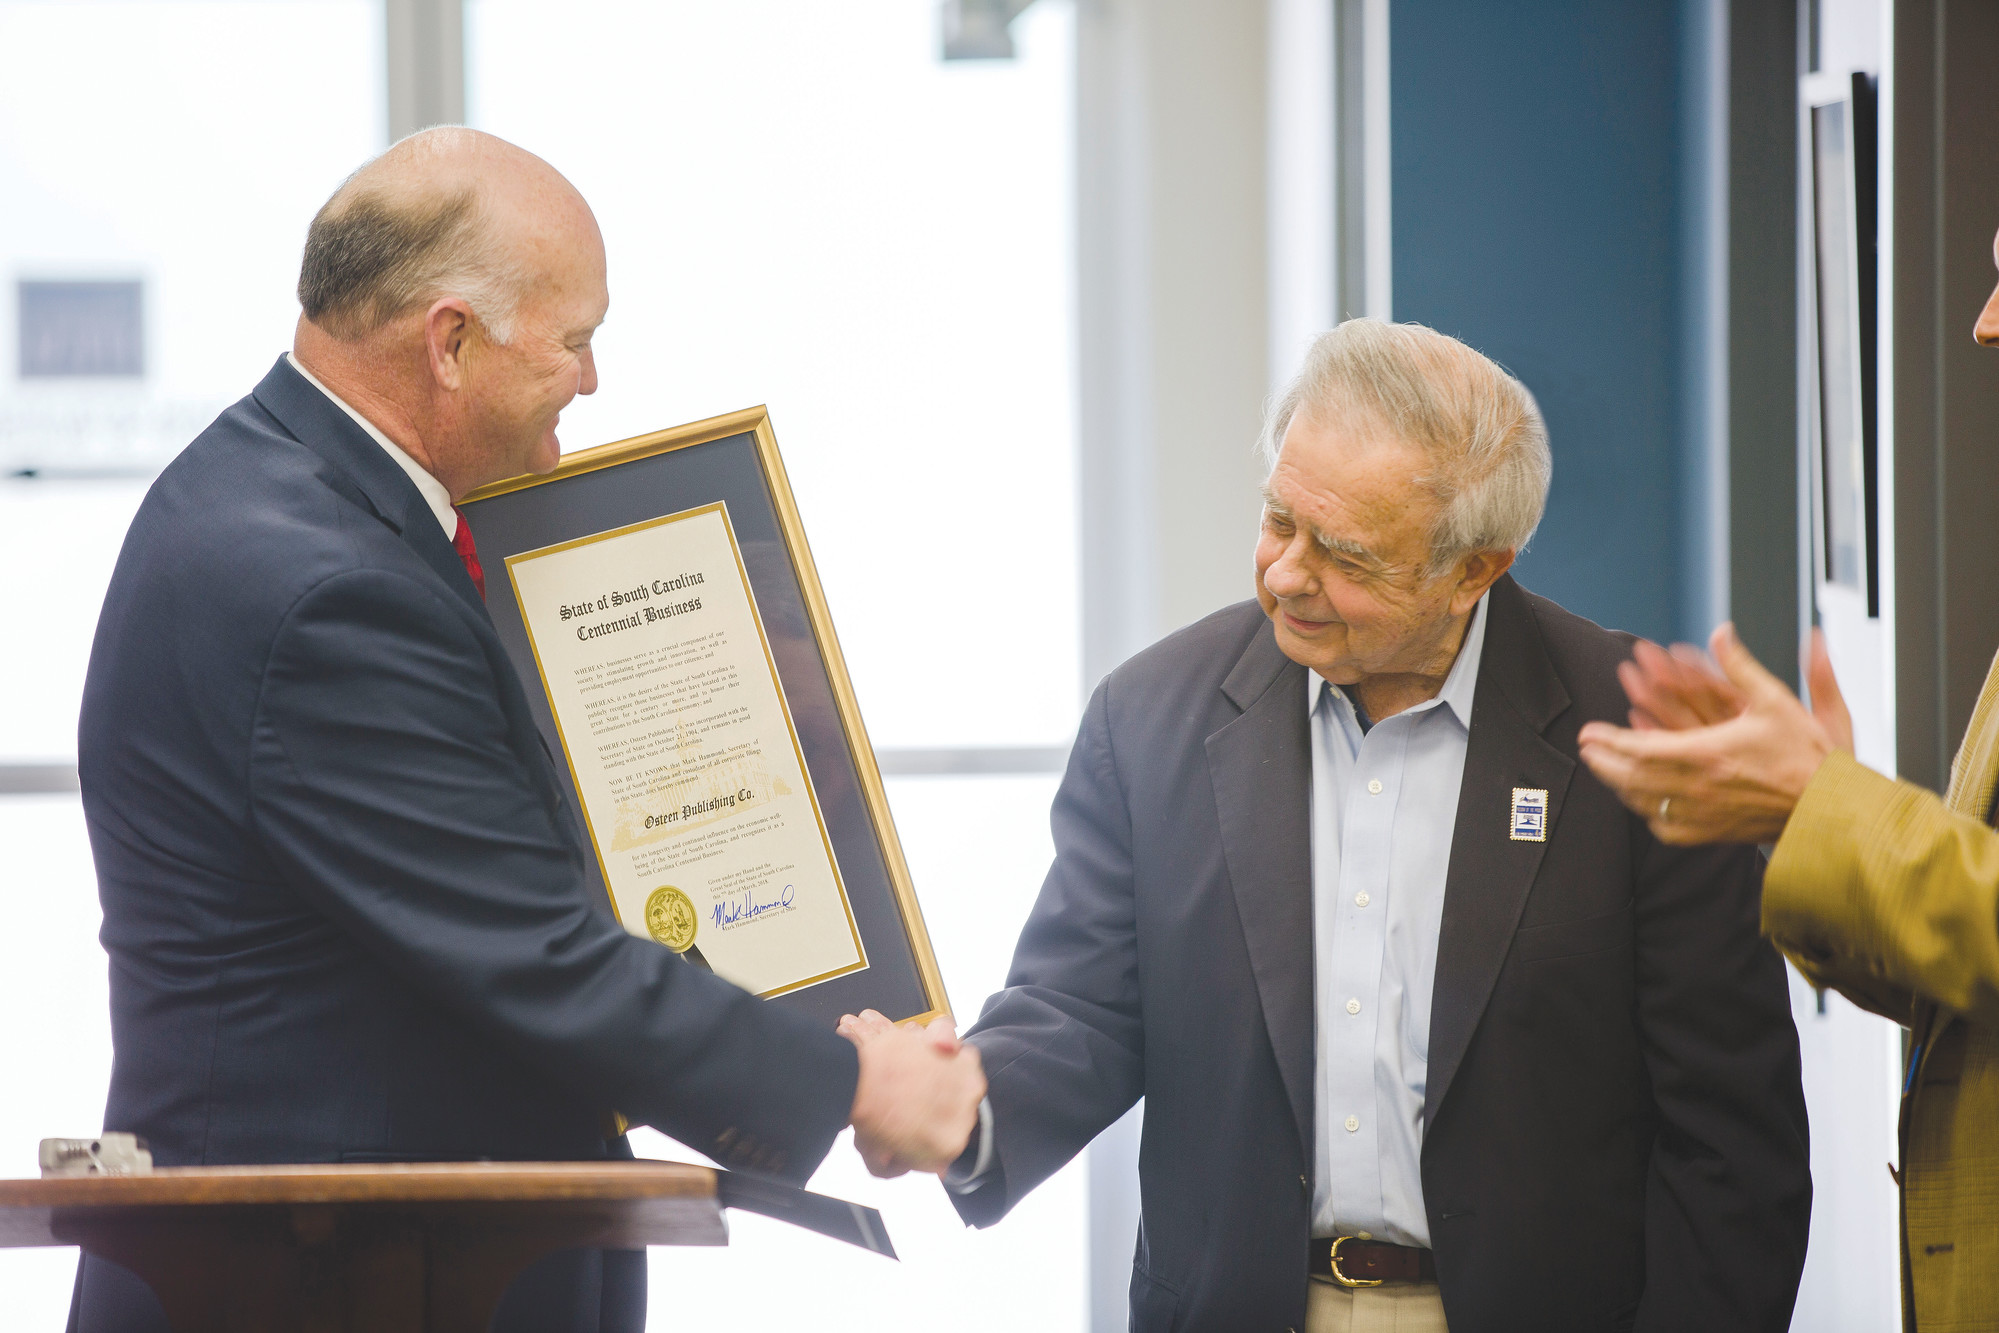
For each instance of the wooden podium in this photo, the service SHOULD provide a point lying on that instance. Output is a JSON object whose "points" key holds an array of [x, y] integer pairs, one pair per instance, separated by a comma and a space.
{"points": [[424, 1247]]}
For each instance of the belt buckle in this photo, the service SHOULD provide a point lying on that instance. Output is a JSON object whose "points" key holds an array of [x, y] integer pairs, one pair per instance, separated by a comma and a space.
{"points": [[1350, 1283]]}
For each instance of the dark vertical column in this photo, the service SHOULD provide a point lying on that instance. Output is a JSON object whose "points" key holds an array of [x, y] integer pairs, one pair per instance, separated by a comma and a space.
{"points": [[1968, 375], [1913, 155], [1943, 416], [1762, 325]]}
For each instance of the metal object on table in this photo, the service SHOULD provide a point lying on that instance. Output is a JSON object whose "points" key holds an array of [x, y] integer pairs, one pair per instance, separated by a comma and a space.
{"points": [[105, 1155]]}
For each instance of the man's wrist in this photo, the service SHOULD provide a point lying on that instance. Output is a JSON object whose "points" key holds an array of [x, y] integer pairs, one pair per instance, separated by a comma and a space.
{"points": [[970, 1170], [1811, 763]]}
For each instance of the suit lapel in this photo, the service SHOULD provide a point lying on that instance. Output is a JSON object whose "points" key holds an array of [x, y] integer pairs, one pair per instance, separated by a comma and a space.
{"points": [[1974, 772], [362, 470], [316, 422], [427, 539], [1260, 766], [1518, 696]]}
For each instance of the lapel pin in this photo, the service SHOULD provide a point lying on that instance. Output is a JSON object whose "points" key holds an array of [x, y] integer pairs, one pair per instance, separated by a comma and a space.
{"points": [[1530, 814]]}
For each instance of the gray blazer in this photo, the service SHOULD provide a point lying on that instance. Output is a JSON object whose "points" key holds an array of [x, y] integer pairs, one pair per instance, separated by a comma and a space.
{"points": [[1615, 1127]]}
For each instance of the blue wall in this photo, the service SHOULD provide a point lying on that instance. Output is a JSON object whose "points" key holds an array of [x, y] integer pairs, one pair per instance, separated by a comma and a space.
{"points": [[1537, 216]]}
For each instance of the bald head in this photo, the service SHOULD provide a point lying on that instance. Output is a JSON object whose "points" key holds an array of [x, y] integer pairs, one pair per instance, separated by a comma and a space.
{"points": [[451, 288], [447, 211]]}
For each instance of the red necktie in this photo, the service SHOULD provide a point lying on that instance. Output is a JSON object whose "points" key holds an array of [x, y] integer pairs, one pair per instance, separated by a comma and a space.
{"points": [[468, 551]]}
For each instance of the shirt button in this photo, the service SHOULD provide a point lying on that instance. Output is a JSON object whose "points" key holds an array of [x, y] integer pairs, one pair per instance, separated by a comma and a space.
{"points": [[1374, 786], [1353, 1006], [1361, 900], [1353, 1123], [1363, 1235]]}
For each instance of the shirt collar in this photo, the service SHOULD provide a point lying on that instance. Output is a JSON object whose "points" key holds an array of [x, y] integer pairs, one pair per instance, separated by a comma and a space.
{"points": [[433, 491], [1459, 686]]}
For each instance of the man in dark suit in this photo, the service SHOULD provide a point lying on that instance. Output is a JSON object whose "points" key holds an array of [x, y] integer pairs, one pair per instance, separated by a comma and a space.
{"points": [[344, 898], [1410, 997]]}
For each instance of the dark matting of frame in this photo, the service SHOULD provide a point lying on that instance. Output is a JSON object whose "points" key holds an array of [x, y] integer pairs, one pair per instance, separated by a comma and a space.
{"points": [[734, 459]]}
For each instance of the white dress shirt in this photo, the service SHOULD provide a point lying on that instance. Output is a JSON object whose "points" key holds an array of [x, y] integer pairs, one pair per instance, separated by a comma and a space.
{"points": [[433, 491], [1384, 807]]}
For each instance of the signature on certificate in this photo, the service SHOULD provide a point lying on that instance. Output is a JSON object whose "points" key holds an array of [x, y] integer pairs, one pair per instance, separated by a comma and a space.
{"points": [[731, 911]]}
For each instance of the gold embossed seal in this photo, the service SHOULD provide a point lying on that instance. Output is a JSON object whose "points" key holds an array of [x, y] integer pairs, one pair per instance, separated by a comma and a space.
{"points": [[670, 918]]}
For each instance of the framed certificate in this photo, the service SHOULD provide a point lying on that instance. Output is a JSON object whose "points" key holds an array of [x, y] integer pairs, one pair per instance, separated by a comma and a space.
{"points": [[659, 601]]}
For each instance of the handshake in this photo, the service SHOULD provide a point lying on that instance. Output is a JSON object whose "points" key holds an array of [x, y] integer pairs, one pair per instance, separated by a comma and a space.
{"points": [[918, 1098]]}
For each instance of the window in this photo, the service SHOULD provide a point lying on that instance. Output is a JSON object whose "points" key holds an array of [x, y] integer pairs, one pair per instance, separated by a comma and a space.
{"points": [[159, 161], [81, 328], [803, 206]]}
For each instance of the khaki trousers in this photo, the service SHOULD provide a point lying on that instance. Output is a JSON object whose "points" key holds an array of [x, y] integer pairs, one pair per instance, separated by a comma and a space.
{"points": [[1395, 1307]]}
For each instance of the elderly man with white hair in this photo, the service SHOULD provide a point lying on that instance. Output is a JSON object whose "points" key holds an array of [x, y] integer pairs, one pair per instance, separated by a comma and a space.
{"points": [[1428, 1026], [345, 899]]}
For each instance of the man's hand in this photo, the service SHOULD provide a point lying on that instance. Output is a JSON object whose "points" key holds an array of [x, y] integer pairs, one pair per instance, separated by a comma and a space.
{"points": [[1717, 758], [1676, 689], [918, 1098]]}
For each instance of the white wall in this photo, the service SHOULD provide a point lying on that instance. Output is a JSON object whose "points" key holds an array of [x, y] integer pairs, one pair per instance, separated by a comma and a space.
{"points": [[1852, 1059]]}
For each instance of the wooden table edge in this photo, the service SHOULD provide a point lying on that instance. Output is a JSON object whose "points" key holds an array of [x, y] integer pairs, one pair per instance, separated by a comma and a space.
{"points": [[370, 1182]]}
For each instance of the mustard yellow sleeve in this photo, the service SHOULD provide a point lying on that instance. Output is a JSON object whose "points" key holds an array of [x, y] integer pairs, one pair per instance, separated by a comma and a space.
{"points": [[1877, 888], [1876, 996]]}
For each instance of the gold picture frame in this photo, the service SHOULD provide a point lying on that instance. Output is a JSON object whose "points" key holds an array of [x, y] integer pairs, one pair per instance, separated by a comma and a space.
{"points": [[499, 520]]}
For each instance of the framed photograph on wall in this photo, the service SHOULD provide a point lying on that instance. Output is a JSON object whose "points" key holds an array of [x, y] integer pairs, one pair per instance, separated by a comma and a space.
{"points": [[1843, 298], [659, 601]]}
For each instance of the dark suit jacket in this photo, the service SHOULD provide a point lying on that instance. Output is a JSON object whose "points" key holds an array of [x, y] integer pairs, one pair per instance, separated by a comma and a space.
{"points": [[343, 894], [1615, 1125]]}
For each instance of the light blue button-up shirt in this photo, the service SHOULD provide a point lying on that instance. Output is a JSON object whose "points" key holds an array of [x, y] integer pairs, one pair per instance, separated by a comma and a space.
{"points": [[1384, 806]]}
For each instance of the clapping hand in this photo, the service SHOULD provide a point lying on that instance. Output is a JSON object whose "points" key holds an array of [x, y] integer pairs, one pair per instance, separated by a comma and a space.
{"points": [[1717, 756], [1676, 689], [918, 1097]]}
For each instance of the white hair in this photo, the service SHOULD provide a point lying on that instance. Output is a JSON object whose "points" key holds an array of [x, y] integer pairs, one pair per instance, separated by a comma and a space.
{"points": [[1479, 426]]}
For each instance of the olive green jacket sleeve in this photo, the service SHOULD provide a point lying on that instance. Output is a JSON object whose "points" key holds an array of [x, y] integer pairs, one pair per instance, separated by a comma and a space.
{"points": [[1883, 891]]}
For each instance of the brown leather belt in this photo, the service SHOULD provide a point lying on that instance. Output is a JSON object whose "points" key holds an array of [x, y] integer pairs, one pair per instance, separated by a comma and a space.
{"points": [[1353, 1262]]}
